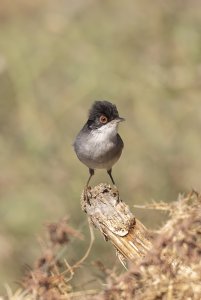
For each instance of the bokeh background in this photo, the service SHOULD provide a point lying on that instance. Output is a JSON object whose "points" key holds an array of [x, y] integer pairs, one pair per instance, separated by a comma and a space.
{"points": [[56, 58]]}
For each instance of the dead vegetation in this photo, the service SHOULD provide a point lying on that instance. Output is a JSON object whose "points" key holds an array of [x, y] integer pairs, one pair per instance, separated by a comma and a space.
{"points": [[171, 270]]}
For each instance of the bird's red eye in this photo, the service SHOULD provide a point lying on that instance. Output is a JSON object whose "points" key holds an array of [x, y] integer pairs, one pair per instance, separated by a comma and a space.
{"points": [[103, 119]]}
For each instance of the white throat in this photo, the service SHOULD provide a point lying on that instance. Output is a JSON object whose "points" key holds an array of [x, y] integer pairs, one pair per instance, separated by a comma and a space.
{"points": [[106, 133]]}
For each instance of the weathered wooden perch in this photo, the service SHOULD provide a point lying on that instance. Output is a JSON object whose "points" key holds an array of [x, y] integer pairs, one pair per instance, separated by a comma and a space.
{"points": [[113, 218]]}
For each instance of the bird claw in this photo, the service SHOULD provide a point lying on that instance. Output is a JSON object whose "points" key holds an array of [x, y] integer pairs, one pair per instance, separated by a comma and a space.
{"points": [[116, 193], [86, 197]]}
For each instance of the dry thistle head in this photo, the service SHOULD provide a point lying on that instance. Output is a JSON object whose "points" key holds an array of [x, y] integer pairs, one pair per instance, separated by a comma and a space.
{"points": [[60, 232]]}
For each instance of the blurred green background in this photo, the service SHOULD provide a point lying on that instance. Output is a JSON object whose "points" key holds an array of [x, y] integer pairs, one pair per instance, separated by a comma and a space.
{"points": [[56, 58]]}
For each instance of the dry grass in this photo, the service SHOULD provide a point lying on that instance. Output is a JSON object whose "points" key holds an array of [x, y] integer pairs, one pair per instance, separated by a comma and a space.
{"points": [[172, 270]]}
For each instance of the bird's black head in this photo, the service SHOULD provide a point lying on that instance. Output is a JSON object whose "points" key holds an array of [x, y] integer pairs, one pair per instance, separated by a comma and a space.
{"points": [[101, 113]]}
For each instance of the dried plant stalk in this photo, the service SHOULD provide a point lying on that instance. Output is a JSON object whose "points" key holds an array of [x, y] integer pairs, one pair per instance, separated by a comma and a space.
{"points": [[116, 222]]}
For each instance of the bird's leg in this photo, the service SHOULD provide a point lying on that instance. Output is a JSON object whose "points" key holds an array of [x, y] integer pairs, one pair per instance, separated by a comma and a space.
{"points": [[110, 174], [91, 172]]}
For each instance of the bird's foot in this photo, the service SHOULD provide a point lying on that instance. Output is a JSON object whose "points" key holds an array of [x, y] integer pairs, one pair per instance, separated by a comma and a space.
{"points": [[86, 194], [116, 193]]}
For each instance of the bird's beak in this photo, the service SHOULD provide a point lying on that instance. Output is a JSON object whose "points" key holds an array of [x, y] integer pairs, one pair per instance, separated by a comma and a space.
{"points": [[119, 119]]}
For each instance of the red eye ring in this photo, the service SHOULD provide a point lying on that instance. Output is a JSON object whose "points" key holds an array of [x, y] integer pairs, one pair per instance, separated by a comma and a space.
{"points": [[103, 119]]}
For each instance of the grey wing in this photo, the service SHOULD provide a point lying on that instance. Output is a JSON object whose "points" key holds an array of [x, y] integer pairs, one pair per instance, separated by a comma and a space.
{"points": [[120, 141]]}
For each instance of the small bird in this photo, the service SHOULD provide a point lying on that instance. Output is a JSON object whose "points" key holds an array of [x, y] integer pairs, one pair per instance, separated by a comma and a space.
{"points": [[98, 145]]}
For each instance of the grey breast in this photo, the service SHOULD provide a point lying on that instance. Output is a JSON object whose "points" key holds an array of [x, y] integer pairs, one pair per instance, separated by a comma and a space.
{"points": [[96, 151]]}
